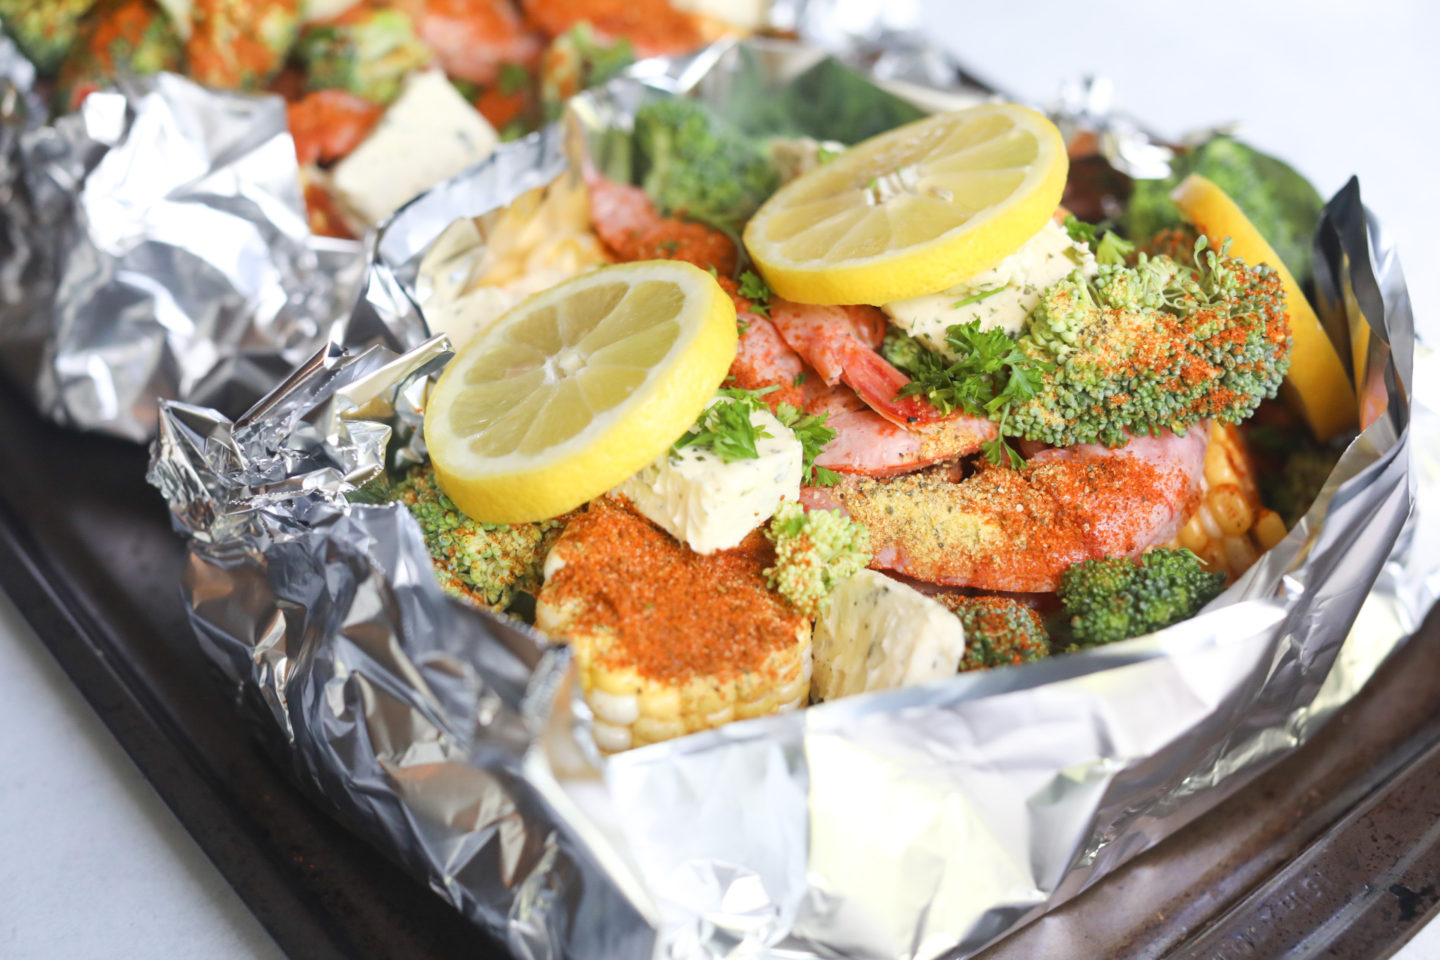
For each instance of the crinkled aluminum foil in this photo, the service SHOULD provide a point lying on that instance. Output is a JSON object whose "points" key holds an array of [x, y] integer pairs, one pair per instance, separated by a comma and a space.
{"points": [[155, 244], [911, 823]]}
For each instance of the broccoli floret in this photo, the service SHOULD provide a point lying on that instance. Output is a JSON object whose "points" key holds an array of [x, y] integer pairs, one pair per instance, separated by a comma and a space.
{"points": [[1159, 345], [117, 37], [999, 631], [43, 29], [696, 166], [814, 551], [1280, 202], [367, 52], [1293, 467], [488, 563], [1116, 598]]}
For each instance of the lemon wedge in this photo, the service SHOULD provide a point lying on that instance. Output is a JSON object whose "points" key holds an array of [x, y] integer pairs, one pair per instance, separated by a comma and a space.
{"points": [[1316, 387], [912, 211], [577, 388]]}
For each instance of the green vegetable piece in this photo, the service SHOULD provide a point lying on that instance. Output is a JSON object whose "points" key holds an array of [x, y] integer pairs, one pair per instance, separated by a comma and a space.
{"points": [[1116, 598], [1160, 345], [368, 53], [486, 563], [814, 551], [999, 631], [116, 37], [1281, 203], [695, 165], [44, 30]]}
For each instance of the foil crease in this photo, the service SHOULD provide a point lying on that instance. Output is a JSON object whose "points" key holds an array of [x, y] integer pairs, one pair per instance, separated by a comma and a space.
{"points": [[155, 244], [914, 823]]}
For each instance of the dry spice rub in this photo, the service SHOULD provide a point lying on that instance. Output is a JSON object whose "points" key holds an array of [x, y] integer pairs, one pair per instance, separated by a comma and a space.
{"points": [[681, 614]]}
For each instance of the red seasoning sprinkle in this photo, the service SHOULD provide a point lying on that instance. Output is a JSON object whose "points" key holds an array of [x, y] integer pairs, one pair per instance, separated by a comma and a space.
{"points": [[679, 614]]}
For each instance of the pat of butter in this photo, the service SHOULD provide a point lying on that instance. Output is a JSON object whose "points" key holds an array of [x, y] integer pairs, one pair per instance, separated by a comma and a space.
{"points": [[429, 134], [710, 504], [1002, 296], [879, 634]]}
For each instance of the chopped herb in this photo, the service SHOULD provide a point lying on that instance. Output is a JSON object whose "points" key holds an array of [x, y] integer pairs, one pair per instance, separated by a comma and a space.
{"points": [[1079, 230], [726, 427], [754, 288], [799, 380], [669, 246], [982, 295], [874, 182], [825, 154], [712, 271], [1113, 251], [810, 430], [999, 452]]}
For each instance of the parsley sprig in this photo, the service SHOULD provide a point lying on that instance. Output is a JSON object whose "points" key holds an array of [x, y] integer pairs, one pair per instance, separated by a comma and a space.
{"points": [[810, 430], [1111, 249], [727, 429], [754, 288], [991, 375]]}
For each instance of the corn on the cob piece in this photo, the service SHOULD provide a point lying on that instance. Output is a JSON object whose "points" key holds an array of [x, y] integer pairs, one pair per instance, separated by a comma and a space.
{"points": [[668, 641], [1231, 528]]}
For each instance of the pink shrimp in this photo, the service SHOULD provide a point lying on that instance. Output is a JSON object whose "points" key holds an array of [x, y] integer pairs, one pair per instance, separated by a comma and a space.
{"points": [[472, 39], [1017, 530], [840, 343], [628, 223], [864, 442]]}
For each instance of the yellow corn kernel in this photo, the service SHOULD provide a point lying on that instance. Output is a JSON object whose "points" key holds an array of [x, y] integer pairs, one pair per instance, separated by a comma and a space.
{"points": [[1269, 529], [1229, 529], [1229, 509]]}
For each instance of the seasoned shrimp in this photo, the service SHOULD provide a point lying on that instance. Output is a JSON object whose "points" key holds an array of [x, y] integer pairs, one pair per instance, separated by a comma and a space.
{"points": [[1017, 530], [633, 229], [653, 27], [840, 344], [868, 444], [864, 442], [472, 39]]}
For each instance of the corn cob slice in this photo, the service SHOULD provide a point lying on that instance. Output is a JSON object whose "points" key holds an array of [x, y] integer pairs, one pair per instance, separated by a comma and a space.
{"points": [[1231, 528], [668, 641]]}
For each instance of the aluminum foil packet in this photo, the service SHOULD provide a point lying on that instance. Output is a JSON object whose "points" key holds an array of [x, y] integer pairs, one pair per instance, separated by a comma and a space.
{"points": [[154, 244], [919, 823]]}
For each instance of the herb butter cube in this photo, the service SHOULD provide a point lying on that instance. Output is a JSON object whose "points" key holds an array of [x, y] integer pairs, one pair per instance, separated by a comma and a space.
{"points": [[879, 634], [429, 134], [1002, 296], [695, 495]]}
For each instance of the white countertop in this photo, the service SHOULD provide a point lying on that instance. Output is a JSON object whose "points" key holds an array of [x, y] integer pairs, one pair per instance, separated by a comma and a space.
{"points": [[92, 864]]}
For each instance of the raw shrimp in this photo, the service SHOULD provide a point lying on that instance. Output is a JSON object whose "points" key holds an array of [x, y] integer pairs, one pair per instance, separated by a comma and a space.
{"points": [[633, 229], [763, 360], [840, 344], [472, 39], [1017, 530]]}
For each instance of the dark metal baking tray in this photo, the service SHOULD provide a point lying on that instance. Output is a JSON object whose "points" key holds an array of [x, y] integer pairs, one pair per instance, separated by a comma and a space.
{"points": [[1333, 852]]}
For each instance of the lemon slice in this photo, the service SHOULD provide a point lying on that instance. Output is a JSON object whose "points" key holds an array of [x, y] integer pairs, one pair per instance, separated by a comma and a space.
{"points": [[1316, 387], [577, 388], [912, 211]]}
